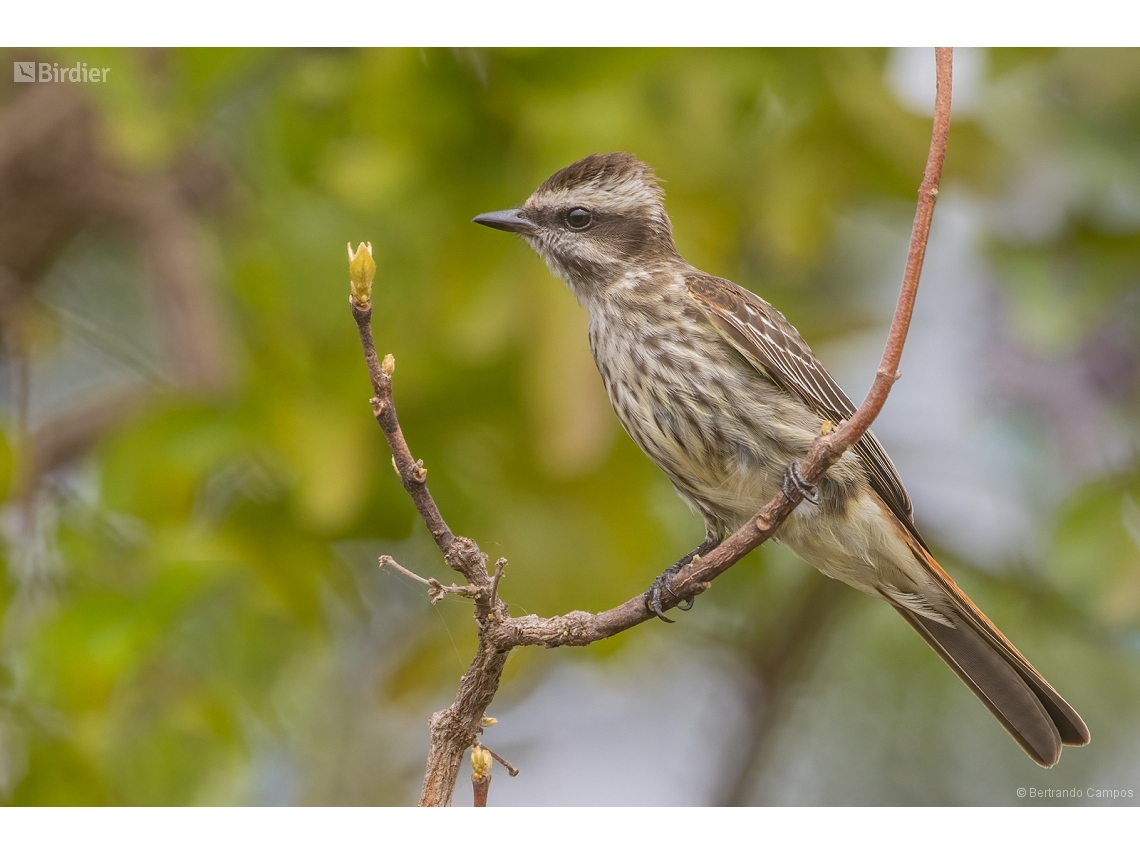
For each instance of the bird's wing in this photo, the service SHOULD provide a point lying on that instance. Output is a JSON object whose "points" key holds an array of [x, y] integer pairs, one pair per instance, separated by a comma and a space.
{"points": [[769, 342]]}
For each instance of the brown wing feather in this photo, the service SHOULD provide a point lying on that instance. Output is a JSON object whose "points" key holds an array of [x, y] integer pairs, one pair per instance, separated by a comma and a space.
{"points": [[774, 346]]}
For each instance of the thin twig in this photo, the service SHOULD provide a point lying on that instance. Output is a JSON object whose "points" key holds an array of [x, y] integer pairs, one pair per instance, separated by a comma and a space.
{"points": [[500, 568], [480, 788], [456, 728], [511, 770], [849, 433], [389, 561], [411, 471], [436, 589]]}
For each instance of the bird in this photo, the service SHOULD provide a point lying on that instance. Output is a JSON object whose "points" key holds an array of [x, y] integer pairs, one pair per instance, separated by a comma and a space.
{"points": [[724, 395]]}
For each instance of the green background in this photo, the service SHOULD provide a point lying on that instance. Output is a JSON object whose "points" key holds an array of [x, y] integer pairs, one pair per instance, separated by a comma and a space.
{"points": [[192, 613]]}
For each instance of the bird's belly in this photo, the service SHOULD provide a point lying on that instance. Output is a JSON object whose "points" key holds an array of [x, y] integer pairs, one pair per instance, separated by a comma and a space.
{"points": [[726, 444], [724, 440], [860, 545]]}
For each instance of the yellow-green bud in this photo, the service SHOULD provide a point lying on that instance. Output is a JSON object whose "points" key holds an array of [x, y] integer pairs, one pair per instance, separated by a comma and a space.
{"points": [[361, 272], [480, 763]]}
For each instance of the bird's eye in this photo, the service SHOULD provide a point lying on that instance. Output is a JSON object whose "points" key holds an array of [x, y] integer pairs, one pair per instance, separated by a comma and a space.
{"points": [[578, 218]]}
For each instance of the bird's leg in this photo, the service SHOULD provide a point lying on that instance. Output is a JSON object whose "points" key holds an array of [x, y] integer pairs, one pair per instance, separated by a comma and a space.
{"points": [[661, 583]]}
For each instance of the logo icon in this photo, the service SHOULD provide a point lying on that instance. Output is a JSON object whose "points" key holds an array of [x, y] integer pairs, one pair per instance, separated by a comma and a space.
{"points": [[24, 72]]}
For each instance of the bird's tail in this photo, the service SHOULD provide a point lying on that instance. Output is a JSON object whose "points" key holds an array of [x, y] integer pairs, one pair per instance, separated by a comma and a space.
{"points": [[1026, 705]]}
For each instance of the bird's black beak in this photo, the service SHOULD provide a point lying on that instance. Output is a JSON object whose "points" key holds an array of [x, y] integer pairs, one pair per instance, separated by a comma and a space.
{"points": [[511, 220]]}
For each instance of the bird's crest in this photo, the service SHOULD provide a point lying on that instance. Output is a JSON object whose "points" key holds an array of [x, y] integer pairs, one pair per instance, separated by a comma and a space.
{"points": [[618, 179]]}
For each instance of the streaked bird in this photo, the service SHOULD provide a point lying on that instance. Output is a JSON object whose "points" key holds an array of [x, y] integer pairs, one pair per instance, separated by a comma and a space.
{"points": [[724, 395]]}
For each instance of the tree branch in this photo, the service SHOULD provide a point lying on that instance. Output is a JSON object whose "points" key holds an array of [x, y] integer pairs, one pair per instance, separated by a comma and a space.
{"points": [[457, 728]]}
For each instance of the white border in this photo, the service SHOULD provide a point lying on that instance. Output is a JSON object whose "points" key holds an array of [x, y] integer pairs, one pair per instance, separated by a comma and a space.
{"points": [[88, 23], [552, 831]]}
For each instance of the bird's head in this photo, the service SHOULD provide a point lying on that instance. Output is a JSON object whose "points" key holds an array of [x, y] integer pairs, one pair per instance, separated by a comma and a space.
{"points": [[594, 222]]}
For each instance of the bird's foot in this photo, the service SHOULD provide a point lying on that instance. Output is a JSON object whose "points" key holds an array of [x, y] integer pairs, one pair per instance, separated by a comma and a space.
{"points": [[663, 584], [795, 484]]}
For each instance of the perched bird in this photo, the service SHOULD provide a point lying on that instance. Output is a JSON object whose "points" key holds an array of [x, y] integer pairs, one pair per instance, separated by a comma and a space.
{"points": [[725, 396]]}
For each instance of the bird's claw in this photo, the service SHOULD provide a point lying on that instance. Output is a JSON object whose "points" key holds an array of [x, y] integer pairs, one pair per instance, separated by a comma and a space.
{"points": [[795, 484], [653, 595]]}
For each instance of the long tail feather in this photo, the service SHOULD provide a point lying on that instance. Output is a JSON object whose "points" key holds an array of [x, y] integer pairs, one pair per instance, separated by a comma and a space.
{"points": [[995, 683], [1027, 706]]}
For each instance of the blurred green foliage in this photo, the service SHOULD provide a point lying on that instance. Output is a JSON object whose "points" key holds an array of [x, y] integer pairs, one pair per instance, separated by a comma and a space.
{"points": [[192, 611]]}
